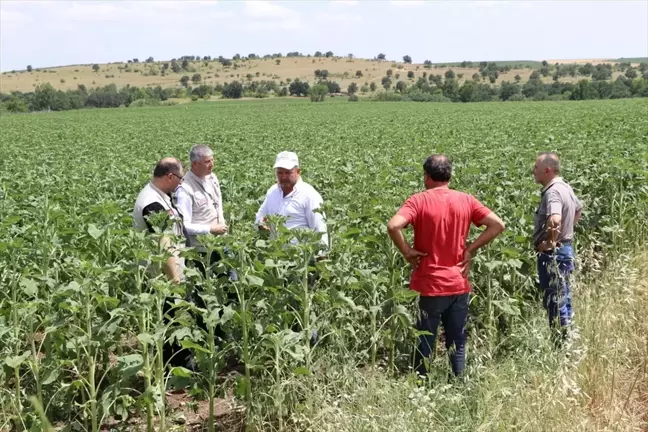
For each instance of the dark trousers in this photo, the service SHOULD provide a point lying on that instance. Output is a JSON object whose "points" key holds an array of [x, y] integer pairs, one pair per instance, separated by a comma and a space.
{"points": [[554, 273], [172, 350], [452, 312]]}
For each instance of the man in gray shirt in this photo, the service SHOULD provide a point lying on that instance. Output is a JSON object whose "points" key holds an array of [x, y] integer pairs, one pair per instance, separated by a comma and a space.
{"points": [[553, 233]]}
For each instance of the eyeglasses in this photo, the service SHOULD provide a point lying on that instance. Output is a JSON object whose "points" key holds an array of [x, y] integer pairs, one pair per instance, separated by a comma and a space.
{"points": [[176, 175]]}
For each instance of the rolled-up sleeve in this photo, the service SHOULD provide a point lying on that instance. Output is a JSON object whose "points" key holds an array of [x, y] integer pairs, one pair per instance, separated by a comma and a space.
{"points": [[185, 207]]}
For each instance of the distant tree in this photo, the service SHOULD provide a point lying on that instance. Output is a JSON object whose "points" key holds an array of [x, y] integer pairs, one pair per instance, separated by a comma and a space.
{"points": [[397, 76], [492, 79], [252, 56], [407, 59], [410, 74], [175, 67], [643, 67], [185, 64], [350, 55], [386, 82], [16, 105], [364, 89], [373, 86], [283, 92], [278, 62], [333, 87], [184, 80], [135, 60], [518, 78], [236, 57], [427, 64], [299, 88], [329, 54], [196, 78], [586, 70], [165, 66], [631, 73], [318, 54], [233, 90], [424, 75], [226, 62], [381, 56], [507, 90], [318, 92], [449, 74], [535, 75], [353, 88], [544, 63], [389, 72], [476, 77], [29, 68], [401, 86], [451, 89], [95, 67], [602, 72], [149, 60]]}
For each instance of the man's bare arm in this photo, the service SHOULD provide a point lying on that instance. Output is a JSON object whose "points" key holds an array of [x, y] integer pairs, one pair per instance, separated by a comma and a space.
{"points": [[394, 227]]}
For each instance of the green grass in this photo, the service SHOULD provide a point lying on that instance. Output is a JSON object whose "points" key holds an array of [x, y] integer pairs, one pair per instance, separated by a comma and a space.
{"points": [[69, 181]]}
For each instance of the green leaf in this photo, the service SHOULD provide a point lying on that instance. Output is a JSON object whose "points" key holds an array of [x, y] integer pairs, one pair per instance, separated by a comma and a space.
{"points": [[15, 361], [30, 287], [130, 364], [181, 372], [187, 344], [301, 371], [254, 280], [146, 338], [51, 377], [95, 232]]}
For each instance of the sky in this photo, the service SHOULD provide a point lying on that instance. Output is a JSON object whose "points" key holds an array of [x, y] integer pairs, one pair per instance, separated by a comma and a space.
{"points": [[56, 33]]}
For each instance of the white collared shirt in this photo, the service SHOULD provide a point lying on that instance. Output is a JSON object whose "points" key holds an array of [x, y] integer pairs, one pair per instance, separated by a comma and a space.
{"points": [[297, 207]]}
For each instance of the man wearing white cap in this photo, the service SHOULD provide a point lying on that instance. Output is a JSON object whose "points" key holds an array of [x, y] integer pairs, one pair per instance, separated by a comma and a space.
{"points": [[292, 198]]}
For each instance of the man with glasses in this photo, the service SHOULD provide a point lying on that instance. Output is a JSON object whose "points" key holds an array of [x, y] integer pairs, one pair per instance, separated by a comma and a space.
{"points": [[200, 202], [155, 197]]}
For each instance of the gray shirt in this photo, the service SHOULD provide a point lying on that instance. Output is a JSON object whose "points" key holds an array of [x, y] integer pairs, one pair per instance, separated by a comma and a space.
{"points": [[557, 198]]}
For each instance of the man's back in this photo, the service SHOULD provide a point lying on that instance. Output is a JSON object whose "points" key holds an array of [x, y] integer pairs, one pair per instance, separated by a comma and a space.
{"points": [[441, 218]]}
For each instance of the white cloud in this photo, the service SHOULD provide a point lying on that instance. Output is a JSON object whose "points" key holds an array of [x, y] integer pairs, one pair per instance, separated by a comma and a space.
{"points": [[265, 15], [14, 19], [491, 3], [343, 2], [406, 3], [337, 19]]}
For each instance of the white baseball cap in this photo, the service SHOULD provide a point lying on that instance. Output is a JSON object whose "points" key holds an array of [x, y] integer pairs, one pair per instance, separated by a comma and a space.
{"points": [[286, 160]]}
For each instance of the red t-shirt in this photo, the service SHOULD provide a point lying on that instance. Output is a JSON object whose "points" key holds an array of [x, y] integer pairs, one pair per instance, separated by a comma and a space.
{"points": [[441, 219]]}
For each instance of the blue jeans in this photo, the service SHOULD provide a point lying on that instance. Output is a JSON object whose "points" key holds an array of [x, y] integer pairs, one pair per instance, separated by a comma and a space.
{"points": [[554, 272], [452, 311]]}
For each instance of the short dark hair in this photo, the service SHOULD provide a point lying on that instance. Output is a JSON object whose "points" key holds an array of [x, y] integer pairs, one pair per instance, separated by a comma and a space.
{"points": [[166, 166], [438, 167]]}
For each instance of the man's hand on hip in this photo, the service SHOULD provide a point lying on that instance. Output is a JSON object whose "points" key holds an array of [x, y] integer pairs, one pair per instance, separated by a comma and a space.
{"points": [[414, 257]]}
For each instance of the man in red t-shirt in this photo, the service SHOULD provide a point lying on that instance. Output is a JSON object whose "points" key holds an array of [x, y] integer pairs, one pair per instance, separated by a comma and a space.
{"points": [[441, 258]]}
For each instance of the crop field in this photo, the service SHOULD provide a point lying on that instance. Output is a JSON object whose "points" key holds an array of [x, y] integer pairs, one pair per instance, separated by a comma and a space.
{"points": [[82, 329]]}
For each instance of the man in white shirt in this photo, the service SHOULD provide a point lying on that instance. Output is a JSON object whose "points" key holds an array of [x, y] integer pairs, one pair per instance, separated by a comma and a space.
{"points": [[292, 198], [297, 201]]}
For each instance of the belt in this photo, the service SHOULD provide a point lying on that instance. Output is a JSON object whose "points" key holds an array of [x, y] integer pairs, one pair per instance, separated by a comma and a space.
{"points": [[558, 244]]}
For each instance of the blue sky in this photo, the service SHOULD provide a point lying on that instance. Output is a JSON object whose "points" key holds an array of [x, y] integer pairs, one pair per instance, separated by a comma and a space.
{"points": [[50, 33]]}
